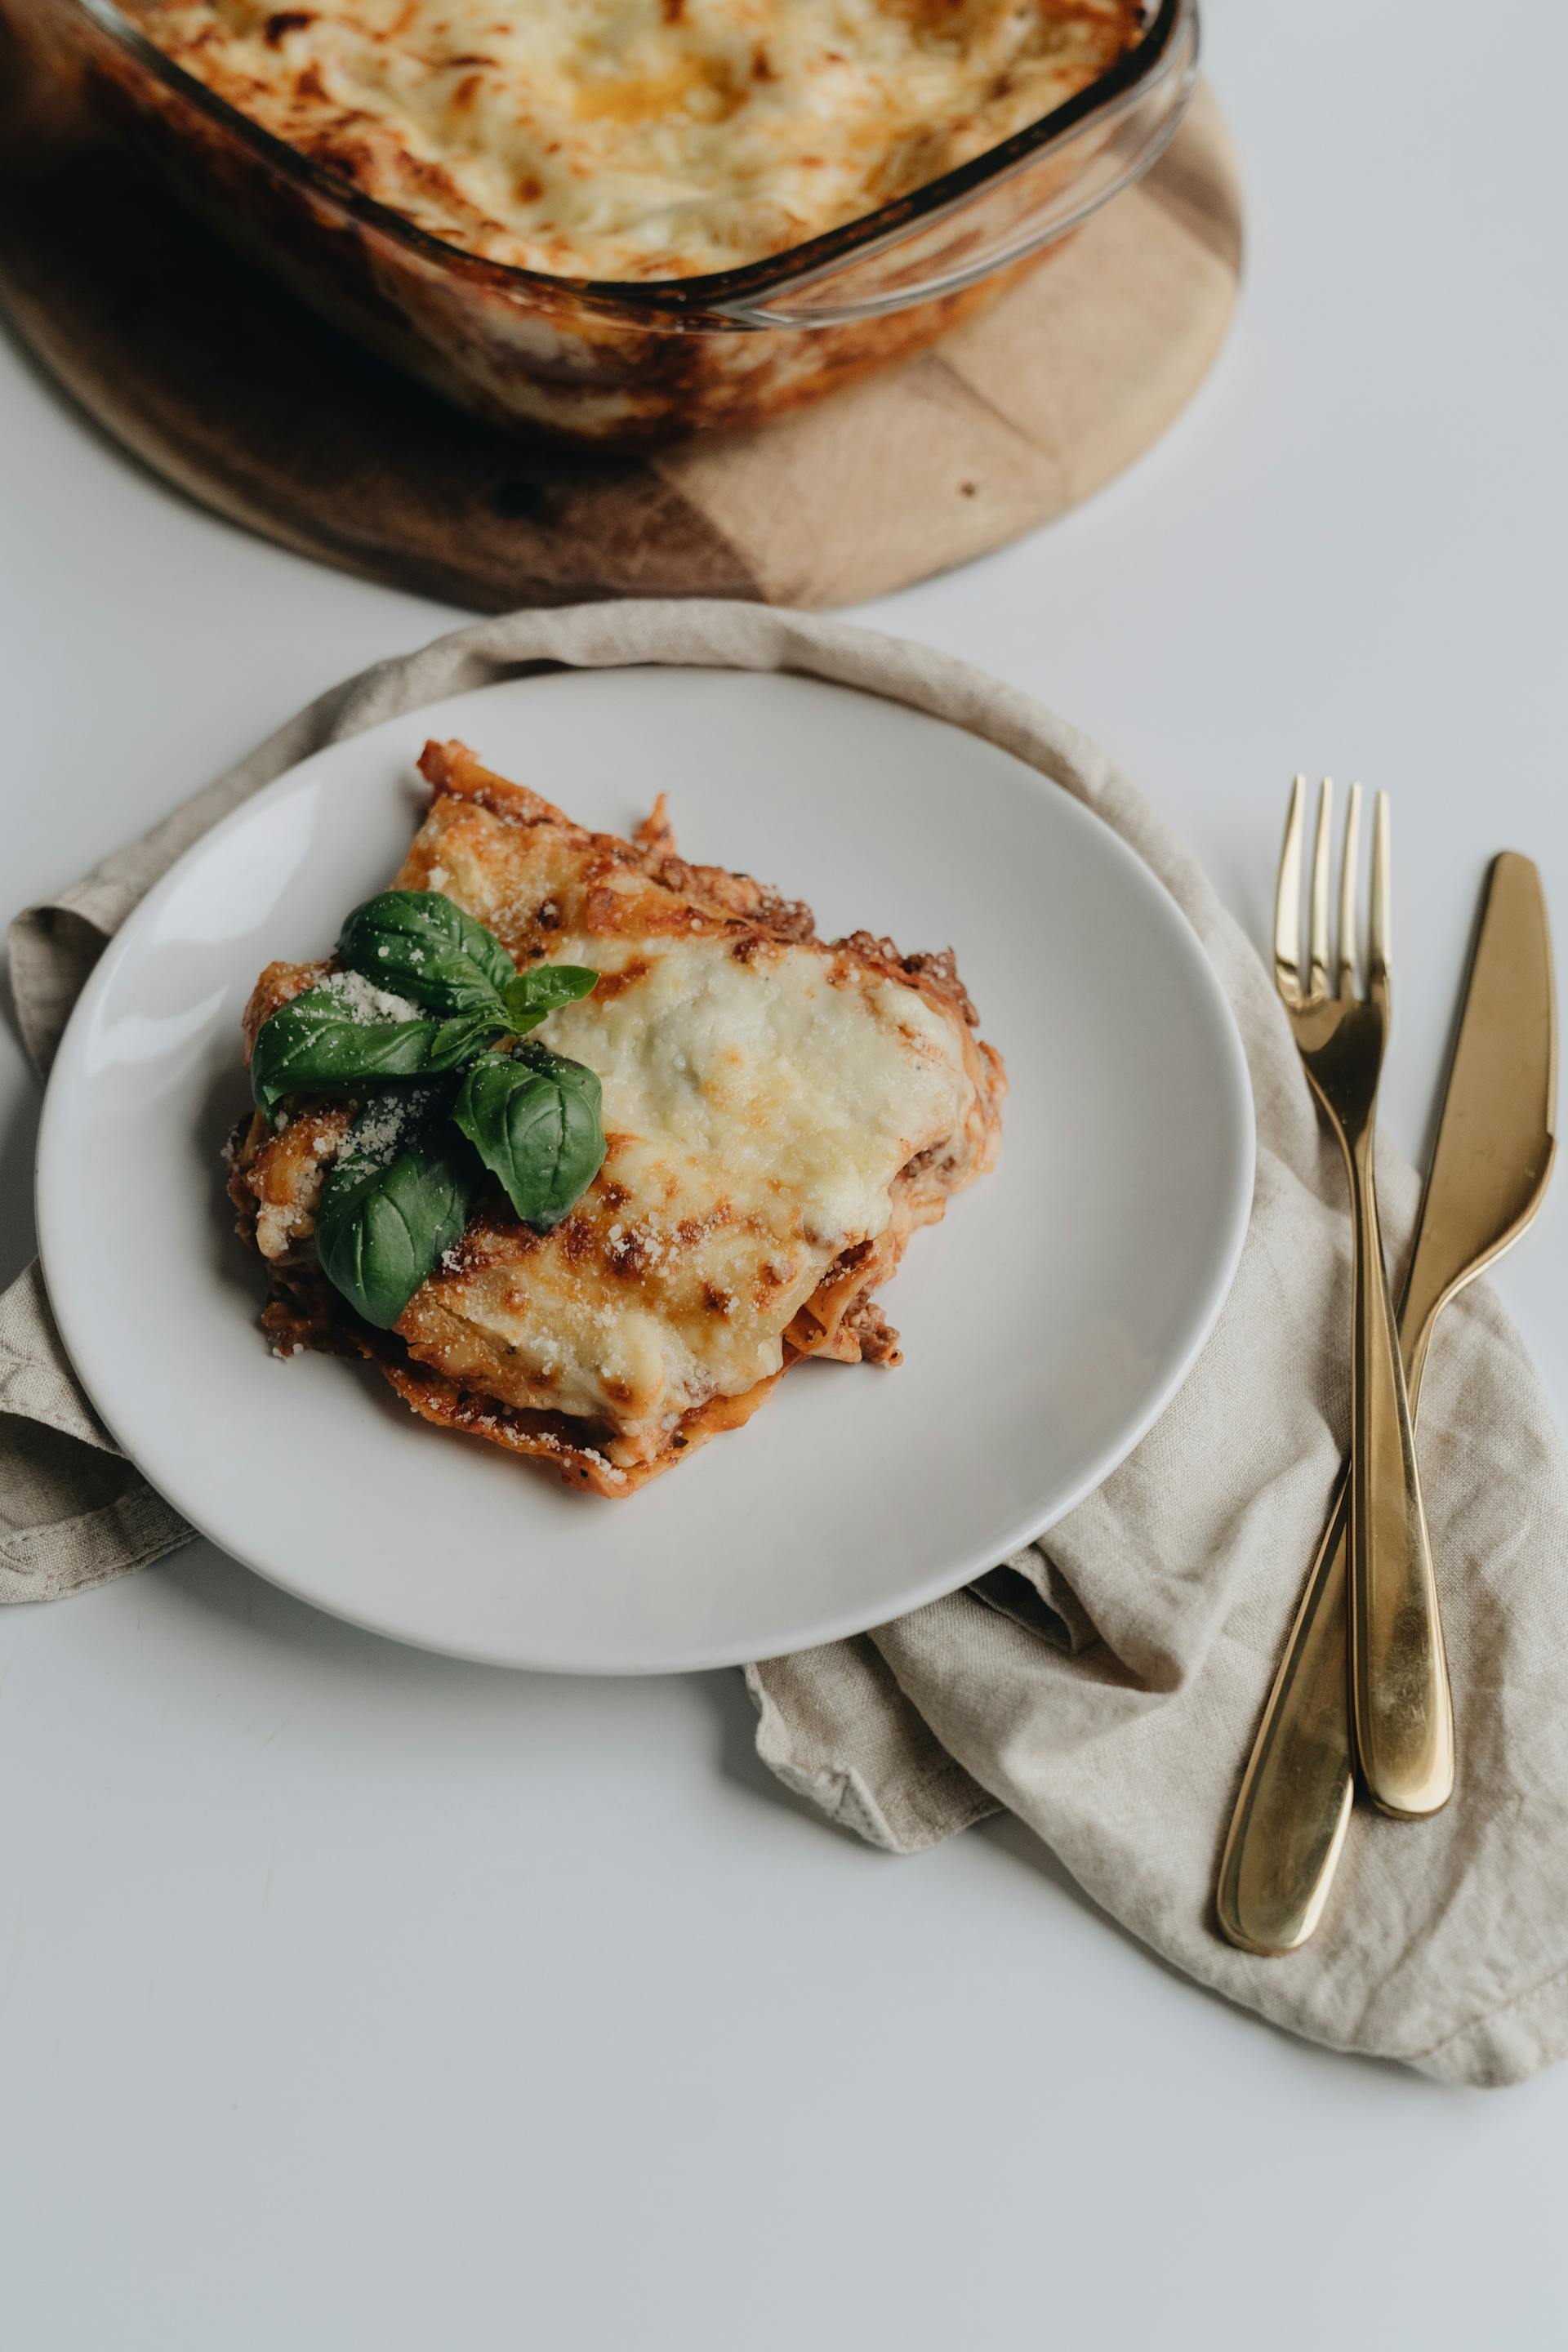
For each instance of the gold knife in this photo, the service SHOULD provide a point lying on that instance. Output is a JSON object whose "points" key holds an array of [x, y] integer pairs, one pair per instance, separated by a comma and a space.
{"points": [[1494, 1151]]}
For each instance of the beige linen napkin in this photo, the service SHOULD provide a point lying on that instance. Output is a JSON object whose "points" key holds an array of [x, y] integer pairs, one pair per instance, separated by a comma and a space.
{"points": [[1104, 1684]]}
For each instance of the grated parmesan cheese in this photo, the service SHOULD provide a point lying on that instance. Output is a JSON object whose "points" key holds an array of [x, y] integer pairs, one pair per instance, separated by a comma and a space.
{"points": [[363, 1002], [381, 1127]]}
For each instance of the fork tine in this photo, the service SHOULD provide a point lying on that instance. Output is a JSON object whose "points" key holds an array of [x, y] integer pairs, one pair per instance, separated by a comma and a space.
{"points": [[1346, 977], [1318, 910], [1288, 899], [1381, 895]]}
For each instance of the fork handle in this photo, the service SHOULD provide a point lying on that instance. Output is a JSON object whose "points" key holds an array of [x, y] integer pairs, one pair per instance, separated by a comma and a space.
{"points": [[1288, 1825], [1401, 1710], [1290, 1818]]}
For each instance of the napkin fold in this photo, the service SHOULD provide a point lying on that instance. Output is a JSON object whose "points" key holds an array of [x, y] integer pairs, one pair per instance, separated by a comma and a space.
{"points": [[1104, 1684]]}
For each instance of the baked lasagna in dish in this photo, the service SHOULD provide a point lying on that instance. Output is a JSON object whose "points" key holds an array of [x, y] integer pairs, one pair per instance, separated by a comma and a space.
{"points": [[641, 139], [779, 1113]]}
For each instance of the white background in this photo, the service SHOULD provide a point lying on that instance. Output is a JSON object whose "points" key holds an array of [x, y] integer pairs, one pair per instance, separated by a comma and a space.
{"points": [[352, 1996]]}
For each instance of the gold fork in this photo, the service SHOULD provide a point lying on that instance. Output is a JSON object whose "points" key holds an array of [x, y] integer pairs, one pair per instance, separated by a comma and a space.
{"points": [[1401, 1710]]}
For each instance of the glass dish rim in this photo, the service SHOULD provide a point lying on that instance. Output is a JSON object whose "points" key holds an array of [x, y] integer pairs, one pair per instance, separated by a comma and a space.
{"points": [[672, 296]]}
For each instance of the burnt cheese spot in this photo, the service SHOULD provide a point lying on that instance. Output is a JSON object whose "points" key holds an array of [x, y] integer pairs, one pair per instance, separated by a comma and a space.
{"points": [[769, 1278], [626, 1255], [577, 1239], [692, 1230], [616, 984], [494, 1237]]}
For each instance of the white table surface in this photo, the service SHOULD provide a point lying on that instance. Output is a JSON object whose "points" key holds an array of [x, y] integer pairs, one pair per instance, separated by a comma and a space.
{"points": [[350, 1996]]}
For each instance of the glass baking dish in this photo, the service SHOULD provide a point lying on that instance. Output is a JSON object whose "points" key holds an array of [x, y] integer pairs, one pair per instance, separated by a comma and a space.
{"points": [[622, 361]]}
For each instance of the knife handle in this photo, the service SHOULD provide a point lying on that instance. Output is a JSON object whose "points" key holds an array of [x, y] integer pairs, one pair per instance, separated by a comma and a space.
{"points": [[1294, 1809]]}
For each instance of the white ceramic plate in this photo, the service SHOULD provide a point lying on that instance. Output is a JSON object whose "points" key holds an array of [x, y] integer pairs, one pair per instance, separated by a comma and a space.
{"points": [[1045, 1322]]}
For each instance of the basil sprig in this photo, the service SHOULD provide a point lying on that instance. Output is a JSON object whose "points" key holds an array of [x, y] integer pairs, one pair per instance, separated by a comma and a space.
{"points": [[316, 1045], [534, 1118], [386, 1219], [420, 945], [443, 996], [416, 949]]}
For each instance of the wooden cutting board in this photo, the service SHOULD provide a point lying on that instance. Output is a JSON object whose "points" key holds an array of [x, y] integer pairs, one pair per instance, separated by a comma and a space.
{"points": [[233, 391]]}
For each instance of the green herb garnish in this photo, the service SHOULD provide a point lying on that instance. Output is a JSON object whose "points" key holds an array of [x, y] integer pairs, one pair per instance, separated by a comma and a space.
{"points": [[316, 1045], [428, 992], [419, 944], [396, 1201], [533, 1119]]}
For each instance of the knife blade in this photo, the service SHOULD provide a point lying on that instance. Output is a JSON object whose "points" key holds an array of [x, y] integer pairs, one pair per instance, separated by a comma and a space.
{"points": [[1496, 1141]]}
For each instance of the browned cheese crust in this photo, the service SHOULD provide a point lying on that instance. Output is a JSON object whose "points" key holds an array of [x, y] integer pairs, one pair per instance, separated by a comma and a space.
{"points": [[636, 139]]}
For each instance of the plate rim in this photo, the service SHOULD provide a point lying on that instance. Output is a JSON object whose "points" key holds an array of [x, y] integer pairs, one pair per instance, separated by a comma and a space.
{"points": [[825, 1628]]}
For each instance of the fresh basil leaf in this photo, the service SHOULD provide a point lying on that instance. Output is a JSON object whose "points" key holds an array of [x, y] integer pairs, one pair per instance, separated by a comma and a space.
{"points": [[458, 1038], [316, 1043], [539, 990], [384, 1223], [534, 1118], [419, 943]]}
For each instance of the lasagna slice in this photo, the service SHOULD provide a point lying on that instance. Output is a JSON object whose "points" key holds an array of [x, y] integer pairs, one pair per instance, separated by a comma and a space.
{"points": [[780, 1113]]}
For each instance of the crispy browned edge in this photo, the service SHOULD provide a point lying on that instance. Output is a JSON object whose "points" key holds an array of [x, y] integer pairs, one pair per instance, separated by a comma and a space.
{"points": [[365, 152], [840, 1320]]}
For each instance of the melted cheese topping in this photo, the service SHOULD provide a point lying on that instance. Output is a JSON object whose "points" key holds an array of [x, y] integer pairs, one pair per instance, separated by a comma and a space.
{"points": [[641, 139], [757, 1117], [758, 1108]]}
